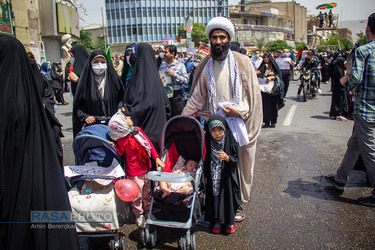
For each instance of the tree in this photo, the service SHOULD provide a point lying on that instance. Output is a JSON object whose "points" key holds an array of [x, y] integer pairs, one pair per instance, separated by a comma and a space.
{"points": [[99, 44], [260, 43], [85, 39], [181, 31], [300, 46], [362, 39], [346, 44], [278, 45], [198, 34], [332, 40]]}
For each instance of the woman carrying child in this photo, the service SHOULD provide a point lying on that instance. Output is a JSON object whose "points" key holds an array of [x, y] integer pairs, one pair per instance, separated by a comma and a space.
{"points": [[223, 196], [137, 150]]}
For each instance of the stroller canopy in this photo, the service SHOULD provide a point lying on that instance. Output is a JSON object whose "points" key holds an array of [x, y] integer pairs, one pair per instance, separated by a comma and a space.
{"points": [[186, 133], [92, 144]]}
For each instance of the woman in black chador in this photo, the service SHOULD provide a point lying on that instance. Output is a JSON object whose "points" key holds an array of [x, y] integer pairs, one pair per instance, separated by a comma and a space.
{"points": [[57, 83], [271, 103], [339, 104], [145, 98], [30, 174], [79, 59], [100, 92], [223, 194]]}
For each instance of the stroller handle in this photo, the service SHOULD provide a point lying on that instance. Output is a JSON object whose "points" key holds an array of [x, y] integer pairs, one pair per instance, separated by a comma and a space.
{"points": [[169, 177]]}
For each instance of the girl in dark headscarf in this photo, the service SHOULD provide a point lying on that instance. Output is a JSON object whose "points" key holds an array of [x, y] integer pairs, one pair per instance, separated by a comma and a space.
{"points": [[127, 70], [57, 83], [339, 104], [30, 175], [145, 98], [100, 92], [79, 61], [223, 195], [270, 70]]}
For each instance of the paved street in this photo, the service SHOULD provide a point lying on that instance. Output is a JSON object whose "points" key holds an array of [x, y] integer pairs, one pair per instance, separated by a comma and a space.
{"points": [[291, 206]]}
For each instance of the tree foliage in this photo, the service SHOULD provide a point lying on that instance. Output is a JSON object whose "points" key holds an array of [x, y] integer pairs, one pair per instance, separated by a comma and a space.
{"points": [[362, 39], [181, 31], [278, 45], [85, 39], [198, 33], [300, 46], [332, 40], [346, 44], [260, 43]]}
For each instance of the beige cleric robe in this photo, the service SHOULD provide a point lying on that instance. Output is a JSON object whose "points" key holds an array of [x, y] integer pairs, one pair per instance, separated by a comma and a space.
{"points": [[250, 109]]}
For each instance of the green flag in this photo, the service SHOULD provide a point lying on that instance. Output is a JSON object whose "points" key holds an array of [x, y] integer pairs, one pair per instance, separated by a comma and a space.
{"points": [[108, 54]]}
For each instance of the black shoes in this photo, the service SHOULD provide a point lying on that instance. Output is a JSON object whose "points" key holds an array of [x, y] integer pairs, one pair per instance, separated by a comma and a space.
{"points": [[367, 201], [338, 185]]}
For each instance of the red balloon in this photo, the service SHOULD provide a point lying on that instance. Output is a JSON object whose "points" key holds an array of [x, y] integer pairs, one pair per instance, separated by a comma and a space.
{"points": [[127, 190]]}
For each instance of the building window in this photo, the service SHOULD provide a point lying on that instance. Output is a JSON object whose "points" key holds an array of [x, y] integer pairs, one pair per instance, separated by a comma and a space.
{"points": [[129, 30], [134, 31]]}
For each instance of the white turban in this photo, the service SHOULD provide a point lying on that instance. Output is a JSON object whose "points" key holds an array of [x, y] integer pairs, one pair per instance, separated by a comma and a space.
{"points": [[220, 23]]}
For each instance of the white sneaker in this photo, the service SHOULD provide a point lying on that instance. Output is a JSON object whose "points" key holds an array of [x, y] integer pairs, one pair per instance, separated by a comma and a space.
{"points": [[297, 96], [319, 90], [141, 221]]}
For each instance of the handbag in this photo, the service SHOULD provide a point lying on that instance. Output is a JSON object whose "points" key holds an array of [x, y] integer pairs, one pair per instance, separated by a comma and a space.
{"points": [[278, 86]]}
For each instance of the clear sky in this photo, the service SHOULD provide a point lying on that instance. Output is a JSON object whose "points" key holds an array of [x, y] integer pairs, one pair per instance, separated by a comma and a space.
{"points": [[347, 9]]}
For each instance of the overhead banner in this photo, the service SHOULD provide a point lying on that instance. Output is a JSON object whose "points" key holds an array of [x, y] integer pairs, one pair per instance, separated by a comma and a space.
{"points": [[67, 20], [6, 26]]}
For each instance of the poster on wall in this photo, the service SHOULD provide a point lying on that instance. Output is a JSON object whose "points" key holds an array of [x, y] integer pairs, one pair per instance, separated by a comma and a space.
{"points": [[6, 26], [67, 20]]}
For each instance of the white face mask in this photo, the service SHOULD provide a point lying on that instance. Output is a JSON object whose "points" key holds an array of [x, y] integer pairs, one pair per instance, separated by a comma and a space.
{"points": [[161, 54], [72, 60], [127, 60], [256, 55], [99, 68]]}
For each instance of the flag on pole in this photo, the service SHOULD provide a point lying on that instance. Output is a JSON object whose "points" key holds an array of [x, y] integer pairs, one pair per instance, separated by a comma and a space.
{"points": [[108, 54]]}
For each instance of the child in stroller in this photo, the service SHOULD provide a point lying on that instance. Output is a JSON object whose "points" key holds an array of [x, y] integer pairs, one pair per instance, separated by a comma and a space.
{"points": [[190, 167]]}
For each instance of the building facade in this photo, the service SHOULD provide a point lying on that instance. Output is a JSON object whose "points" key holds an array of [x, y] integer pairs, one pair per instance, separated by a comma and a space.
{"points": [[264, 21], [152, 20], [40, 24], [287, 18]]}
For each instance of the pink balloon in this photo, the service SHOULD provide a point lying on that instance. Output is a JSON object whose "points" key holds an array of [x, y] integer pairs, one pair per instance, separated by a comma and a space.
{"points": [[127, 190]]}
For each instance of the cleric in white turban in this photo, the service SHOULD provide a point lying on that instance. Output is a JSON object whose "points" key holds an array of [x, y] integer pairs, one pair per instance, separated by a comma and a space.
{"points": [[220, 23], [225, 83]]}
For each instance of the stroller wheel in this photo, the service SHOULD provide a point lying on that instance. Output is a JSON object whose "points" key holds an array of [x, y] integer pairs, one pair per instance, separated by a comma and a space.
{"points": [[183, 243], [152, 238], [142, 237], [193, 243], [113, 244], [122, 243]]}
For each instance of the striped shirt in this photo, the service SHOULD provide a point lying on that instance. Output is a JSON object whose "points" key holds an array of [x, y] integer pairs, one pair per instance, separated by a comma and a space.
{"points": [[180, 78], [363, 76]]}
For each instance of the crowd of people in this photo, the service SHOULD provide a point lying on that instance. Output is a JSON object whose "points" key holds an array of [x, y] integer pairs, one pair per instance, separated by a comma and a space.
{"points": [[234, 95]]}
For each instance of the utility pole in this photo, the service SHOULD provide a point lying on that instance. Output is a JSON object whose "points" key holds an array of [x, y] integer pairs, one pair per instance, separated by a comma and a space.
{"points": [[104, 31]]}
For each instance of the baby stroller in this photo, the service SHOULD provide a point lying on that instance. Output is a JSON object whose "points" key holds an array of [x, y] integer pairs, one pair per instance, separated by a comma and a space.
{"points": [[182, 136], [92, 195]]}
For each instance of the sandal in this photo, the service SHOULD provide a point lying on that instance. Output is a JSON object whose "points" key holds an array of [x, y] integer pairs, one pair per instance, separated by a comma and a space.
{"points": [[240, 216], [341, 118]]}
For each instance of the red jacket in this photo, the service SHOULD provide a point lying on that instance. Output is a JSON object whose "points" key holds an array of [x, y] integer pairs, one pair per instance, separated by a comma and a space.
{"points": [[137, 160]]}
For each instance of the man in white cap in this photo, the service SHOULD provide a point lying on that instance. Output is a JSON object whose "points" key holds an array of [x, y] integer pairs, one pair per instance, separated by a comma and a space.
{"points": [[229, 77]]}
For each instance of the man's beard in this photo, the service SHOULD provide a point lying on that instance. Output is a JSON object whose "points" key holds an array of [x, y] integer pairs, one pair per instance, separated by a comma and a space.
{"points": [[219, 54]]}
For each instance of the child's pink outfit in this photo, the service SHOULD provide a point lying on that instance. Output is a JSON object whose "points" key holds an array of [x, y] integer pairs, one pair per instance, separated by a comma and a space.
{"points": [[137, 150]]}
